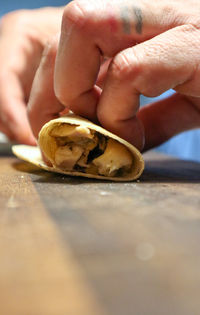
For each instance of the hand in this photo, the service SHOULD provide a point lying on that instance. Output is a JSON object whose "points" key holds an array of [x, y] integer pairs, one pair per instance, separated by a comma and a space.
{"points": [[23, 35], [151, 46]]}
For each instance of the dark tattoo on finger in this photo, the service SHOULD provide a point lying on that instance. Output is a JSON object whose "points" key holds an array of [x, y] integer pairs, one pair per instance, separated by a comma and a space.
{"points": [[138, 15], [127, 19], [125, 16]]}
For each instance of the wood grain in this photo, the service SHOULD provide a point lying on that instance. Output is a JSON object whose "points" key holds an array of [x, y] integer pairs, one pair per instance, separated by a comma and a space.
{"points": [[38, 274], [71, 246]]}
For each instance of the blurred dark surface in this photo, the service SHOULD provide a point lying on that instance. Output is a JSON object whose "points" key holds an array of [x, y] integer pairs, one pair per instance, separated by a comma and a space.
{"points": [[80, 246]]}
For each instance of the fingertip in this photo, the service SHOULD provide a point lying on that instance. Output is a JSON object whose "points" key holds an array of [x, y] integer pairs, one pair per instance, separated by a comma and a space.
{"points": [[130, 130], [24, 136], [31, 140], [16, 126]]}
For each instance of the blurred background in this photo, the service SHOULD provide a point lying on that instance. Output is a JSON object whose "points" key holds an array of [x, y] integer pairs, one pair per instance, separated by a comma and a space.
{"points": [[185, 145], [10, 5]]}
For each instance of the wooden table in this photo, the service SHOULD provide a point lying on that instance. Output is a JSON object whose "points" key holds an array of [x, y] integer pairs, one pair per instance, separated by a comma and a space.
{"points": [[72, 246]]}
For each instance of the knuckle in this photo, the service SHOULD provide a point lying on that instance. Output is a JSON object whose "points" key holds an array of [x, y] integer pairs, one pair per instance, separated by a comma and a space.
{"points": [[81, 13], [120, 67], [74, 14], [132, 67], [125, 66]]}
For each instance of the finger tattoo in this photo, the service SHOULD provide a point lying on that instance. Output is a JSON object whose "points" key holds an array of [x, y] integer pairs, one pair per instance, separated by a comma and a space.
{"points": [[138, 15], [125, 16], [127, 20]]}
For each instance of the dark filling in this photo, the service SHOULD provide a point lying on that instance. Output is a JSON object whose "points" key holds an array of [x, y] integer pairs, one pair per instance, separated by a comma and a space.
{"points": [[79, 168], [96, 152]]}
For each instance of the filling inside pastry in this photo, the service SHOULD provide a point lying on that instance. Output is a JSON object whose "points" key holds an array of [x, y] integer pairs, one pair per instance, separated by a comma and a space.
{"points": [[80, 149]]}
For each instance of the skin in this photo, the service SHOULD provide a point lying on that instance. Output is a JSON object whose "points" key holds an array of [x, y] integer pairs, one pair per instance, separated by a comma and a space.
{"points": [[151, 46], [23, 36], [138, 17], [109, 53]]}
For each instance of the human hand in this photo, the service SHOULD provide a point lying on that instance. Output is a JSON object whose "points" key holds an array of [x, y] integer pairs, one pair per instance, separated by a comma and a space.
{"points": [[23, 35], [152, 46]]}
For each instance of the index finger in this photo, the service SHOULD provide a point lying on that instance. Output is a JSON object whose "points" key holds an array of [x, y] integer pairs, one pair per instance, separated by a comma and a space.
{"points": [[90, 30], [76, 70], [94, 28]]}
